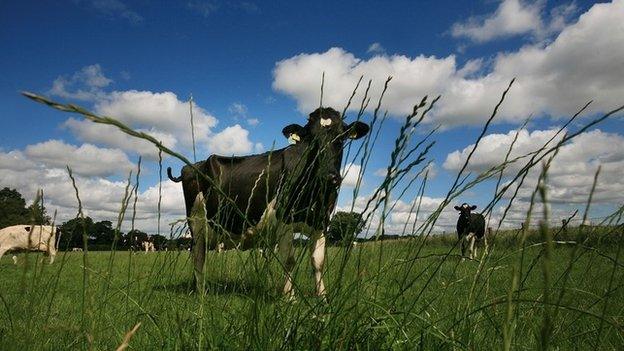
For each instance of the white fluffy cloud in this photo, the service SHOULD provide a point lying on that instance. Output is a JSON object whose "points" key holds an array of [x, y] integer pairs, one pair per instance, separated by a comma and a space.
{"points": [[583, 62], [88, 131], [493, 148], [238, 109], [232, 140], [16, 161], [159, 112], [376, 48], [253, 121], [85, 84], [101, 198], [572, 171], [350, 174], [162, 115], [513, 17], [87, 159], [404, 217]]}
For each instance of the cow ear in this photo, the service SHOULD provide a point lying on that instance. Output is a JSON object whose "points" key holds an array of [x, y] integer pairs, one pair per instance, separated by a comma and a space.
{"points": [[293, 132], [457, 208], [473, 207], [357, 130]]}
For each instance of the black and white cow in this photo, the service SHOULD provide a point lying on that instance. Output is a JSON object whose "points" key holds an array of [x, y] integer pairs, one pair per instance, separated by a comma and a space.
{"points": [[271, 195], [470, 227]]}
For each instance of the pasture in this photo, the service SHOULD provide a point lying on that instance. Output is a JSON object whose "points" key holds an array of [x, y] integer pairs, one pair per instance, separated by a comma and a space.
{"points": [[403, 295], [536, 288]]}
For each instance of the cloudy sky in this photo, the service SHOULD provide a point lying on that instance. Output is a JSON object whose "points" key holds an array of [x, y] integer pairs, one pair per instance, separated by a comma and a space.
{"points": [[254, 67]]}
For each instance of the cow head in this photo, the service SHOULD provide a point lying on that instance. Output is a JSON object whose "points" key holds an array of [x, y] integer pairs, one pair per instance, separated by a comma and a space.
{"points": [[324, 136], [464, 210]]}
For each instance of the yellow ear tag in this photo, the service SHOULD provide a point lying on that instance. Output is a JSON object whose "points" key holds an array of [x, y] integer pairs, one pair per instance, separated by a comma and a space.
{"points": [[326, 122], [353, 135], [293, 138]]}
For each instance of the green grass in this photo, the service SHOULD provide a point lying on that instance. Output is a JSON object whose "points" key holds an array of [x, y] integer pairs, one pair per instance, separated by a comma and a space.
{"points": [[433, 302], [537, 289]]}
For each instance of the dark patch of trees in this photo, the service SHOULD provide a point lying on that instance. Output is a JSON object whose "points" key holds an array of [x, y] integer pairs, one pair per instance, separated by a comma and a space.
{"points": [[73, 232], [13, 210], [344, 227]]}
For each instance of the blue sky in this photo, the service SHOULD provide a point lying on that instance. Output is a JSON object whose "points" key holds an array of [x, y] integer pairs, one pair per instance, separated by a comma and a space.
{"points": [[254, 67]]}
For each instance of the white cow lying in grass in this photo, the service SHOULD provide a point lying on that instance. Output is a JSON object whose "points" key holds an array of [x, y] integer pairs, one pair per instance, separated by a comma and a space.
{"points": [[29, 237]]}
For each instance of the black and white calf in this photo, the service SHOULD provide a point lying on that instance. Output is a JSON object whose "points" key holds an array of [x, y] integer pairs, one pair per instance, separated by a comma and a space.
{"points": [[261, 200], [470, 228]]}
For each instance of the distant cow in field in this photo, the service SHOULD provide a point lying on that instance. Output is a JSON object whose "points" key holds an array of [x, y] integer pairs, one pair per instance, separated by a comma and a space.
{"points": [[148, 246], [29, 237], [470, 228], [264, 199]]}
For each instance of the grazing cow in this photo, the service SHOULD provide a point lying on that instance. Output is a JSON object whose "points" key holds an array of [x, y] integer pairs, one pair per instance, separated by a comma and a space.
{"points": [[470, 227], [270, 196], [29, 237], [76, 249], [148, 246]]}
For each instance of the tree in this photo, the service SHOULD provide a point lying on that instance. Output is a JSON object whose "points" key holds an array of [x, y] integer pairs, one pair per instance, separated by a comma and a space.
{"points": [[183, 243], [344, 227], [12, 208], [103, 233], [73, 230], [160, 241], [38, 214]]}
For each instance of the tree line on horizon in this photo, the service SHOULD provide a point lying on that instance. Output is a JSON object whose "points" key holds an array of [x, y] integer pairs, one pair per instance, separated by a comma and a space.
{"points": [[343, 229], [100, 234]]}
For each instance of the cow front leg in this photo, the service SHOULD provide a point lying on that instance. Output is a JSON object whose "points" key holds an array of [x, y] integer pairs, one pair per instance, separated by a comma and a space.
{"points": [[3, 250], [476, 250], [471, 245], [52, 254], [464, 242], [287, 259], [198, 224], [317, 257]]}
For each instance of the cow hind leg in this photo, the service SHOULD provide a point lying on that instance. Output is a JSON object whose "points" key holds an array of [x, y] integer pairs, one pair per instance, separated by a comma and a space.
{"points": [[464, 246], [317, 256], [3, 250], [287, 259], [198, 224], [476, 247]]}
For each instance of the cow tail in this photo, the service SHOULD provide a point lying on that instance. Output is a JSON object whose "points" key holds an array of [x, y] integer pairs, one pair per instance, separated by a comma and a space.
{"points": [[177, 180]]}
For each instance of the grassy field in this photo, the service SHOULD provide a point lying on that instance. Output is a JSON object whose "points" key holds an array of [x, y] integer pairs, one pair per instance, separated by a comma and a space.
{"points": [[382, 295], [546, 289]]}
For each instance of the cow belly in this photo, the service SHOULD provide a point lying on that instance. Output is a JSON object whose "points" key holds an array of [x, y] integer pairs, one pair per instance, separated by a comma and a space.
{"points": [[17, 237], [266, 233]]}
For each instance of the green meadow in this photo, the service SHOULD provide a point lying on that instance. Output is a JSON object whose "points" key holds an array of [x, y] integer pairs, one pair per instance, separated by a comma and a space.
{"points": [[405, 295]]}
